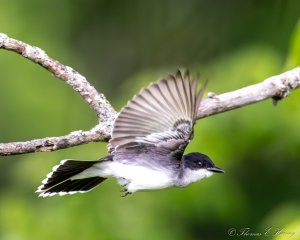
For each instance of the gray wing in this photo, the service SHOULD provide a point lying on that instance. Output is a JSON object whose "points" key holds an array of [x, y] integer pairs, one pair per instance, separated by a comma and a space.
{"points": [[161, 117]]}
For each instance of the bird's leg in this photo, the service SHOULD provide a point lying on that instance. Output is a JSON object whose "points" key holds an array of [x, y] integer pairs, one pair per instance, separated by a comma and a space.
{"points": [[123, 181]]}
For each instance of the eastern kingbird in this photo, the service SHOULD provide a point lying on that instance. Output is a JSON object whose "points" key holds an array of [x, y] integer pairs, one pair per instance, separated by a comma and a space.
{"points": [[147, 143]]}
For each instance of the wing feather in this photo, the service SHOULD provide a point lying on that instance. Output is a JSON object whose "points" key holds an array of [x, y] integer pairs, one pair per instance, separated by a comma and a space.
{"points": [[160, 116]]}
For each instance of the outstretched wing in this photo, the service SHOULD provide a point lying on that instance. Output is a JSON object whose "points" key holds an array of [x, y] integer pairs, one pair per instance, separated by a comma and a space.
{"points": [[161, 116]]}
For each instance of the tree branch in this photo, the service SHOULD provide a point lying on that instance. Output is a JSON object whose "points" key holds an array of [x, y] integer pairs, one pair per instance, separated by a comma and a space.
{"points": [[97, 101], [276, 87], [50, 144]]}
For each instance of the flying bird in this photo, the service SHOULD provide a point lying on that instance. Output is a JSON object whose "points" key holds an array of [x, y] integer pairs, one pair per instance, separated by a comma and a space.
{"points": [[146, 149]]}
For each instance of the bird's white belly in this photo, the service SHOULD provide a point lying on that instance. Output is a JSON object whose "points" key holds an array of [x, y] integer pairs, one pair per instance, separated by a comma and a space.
{"points": [[140, 178]]}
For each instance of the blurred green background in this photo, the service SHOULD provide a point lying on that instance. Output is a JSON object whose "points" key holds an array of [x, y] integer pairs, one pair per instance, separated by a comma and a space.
{"points": [[121, 46]]}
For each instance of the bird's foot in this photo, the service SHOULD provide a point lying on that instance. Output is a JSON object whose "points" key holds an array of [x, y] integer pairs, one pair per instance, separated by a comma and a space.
{"points": [[124, 183], [125, 191]]}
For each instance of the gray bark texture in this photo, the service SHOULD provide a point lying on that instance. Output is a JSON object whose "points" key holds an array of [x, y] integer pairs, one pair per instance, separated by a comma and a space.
{"points": [[275, 87]]}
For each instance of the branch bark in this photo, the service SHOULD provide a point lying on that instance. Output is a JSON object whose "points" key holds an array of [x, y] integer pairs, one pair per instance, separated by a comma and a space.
{"points": [[50, 144], [95, 100], [276, 87]]}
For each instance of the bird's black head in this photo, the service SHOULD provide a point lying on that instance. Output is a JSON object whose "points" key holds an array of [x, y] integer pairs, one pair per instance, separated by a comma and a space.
{"points": [[196, 161]]}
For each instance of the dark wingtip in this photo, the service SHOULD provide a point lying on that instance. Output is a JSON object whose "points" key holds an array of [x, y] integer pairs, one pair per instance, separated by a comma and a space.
{"points": [[182, 74], [187, 75], [177, 75]]}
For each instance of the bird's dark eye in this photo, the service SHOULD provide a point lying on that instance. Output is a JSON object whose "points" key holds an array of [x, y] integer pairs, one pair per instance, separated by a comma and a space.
{"points": [[200, 164]]}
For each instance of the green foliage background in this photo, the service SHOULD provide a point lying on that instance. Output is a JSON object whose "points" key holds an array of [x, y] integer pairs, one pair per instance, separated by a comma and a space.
{"points": [[121, 46]]}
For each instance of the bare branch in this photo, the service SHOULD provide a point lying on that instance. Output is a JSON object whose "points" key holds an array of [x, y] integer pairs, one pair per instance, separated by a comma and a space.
{"points": [[276, 87], [97, 101], [50, 144]]}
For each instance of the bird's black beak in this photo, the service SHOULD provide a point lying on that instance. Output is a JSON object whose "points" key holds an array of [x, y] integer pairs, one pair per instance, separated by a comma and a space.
{"points": [[216, 170]]}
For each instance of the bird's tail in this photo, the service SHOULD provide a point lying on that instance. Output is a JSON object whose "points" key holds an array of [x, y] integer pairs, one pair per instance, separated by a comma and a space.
{"points": [[63, 180]]}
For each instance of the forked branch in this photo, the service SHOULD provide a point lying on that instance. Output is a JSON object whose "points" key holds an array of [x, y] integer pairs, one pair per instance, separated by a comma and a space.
{"points": [[276, 87]]}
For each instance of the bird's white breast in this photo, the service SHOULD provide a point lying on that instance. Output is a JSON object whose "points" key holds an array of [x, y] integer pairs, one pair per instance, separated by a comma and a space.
{"points": [[191, 176], [139, 177]]}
